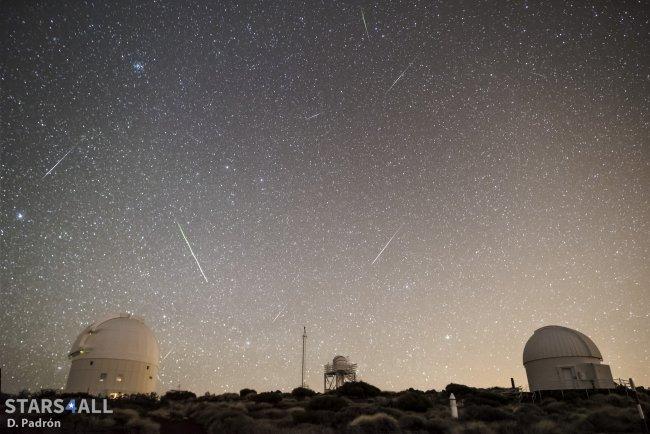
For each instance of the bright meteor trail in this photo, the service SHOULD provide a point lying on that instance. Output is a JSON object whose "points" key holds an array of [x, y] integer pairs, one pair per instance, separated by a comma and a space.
{"points": [[170, 351], [57, 163], [192, 252], [399, 78], [363, 17], [382, 250]]}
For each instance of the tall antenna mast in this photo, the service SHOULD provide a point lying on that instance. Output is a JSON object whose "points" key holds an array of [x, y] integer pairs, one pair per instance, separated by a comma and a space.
{"points": [[304, 340]]}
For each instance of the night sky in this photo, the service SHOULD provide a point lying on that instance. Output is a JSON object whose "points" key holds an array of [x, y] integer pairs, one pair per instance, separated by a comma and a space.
{"points": [[503, 144]]}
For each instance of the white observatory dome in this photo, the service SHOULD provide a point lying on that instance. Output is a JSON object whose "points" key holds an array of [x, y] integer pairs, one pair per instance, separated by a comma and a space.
{"points": [[559, 358], [557, 341], [117, 337], [115, 355]]}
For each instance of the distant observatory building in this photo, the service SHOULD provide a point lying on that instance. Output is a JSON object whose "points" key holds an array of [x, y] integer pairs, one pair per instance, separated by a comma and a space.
{"points": [[116, 355], [338, 372], [559, 358]]}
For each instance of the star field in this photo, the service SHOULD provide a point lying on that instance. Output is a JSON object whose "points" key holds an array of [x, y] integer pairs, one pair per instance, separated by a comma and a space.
{"points": [[504, 143]]}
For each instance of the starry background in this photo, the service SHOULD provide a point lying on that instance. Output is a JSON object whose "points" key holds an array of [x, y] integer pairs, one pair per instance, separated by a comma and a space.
{"points": [[505, 142]]}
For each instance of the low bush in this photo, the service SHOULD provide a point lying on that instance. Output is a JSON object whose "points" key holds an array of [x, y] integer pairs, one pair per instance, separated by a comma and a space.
{"points": [[238, 423], [414, 423], [224, 397], [245, 392], [459, 390], [327, 402], [485, 413], [528, 413], [143, 425], [268, 397], [482, 397], [358, 389], [375, 423], [544, 427], [413, 401], [315, 417], [302, 393], [612, 420], [474, 428], [178, 395]]}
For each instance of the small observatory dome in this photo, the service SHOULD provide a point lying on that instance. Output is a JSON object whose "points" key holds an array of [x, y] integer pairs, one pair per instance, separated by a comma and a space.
{"points": [[116, 355], [559, 358], [340, 363], [339, 372]]}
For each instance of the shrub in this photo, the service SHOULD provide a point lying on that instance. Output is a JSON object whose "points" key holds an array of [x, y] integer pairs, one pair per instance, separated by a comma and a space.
{"points": [[245, 392], [143, 425], [141, 400], [315, 417], [224, 397], [270, 413], [475, 428], [346, 415], [555, 407], [482, 397], [302, 393], [327, 402], [358, 389], [178, 395], [528, 413], [545, 427], [237, 423], [413, 401], [459, 390], [122, 415], [414, 423], [614, 400], [375, 423], [611, 420], [486, 413], [268, 397]]}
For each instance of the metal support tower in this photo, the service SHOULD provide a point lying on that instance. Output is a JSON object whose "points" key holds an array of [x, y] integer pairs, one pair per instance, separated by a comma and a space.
{"points": [[304, 341]]}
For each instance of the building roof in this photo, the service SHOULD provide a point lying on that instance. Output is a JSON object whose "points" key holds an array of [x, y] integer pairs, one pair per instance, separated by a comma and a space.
{"points": [[557, 341], [120, 336]]}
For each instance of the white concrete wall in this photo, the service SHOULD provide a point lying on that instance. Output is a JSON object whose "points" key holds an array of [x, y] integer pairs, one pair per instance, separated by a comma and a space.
{"points": [[84, 377], [546, 374]]}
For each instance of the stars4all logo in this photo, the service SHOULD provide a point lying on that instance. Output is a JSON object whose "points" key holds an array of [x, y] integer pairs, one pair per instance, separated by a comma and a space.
{"points": [[72, 406]]}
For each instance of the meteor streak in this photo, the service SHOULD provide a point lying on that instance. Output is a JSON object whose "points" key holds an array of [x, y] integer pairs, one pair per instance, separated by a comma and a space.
{"points": [[382, 250], [312, 116], [57, 163], [163, 359], [192, 251], [399, 78], [363, 17], [278, 315]]}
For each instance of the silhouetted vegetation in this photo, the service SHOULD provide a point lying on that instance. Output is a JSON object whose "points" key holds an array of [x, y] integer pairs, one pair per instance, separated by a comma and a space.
{"points": [[302, 392], [375, 423], [245, 392], [358, 389], [178, 395], [412, 400], [359, 408], [269, 397], [327, 402]]}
